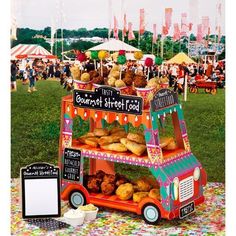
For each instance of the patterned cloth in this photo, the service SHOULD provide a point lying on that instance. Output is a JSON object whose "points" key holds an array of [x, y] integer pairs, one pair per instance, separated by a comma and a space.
{"points": [[209, 219]]}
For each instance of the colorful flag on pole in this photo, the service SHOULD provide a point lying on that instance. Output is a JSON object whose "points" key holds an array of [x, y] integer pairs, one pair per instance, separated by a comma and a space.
{"points": [[168, 16], [205, 25], [125, 26], [190, 27], [164, 31], [115, 30], [141, 22], [184, 25], [176, 35], [219, 34], [154, 37], [130, 33], [199, 33]]}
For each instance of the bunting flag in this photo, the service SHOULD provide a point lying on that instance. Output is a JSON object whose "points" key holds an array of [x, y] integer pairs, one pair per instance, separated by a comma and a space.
{"points": [[199, 33], [130, 32], [219, 34], [164, 31], [176, 35], [125, 26], [190, 27], [141, 22], [205, 25], [219, 7], [115, 30], [193, 14], [168, 16], [184, 25], [154, 37]]}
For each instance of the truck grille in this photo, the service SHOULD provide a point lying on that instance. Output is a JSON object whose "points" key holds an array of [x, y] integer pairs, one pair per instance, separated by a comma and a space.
{"points": [[186, 189]]}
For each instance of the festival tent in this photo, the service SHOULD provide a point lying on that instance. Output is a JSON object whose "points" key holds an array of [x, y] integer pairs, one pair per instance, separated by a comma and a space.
{"points": [[114, 45], [180, 58], [22, 51]]}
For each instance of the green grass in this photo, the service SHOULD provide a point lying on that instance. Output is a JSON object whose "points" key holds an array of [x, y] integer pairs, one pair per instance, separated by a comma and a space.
{"points": [[35, 126]]}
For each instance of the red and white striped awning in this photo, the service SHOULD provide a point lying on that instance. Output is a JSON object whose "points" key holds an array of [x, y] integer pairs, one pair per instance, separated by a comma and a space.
{"points": [[30, 51]]}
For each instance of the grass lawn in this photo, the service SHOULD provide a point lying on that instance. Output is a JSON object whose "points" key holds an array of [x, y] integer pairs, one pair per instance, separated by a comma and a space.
{"points": [[35, 122]]}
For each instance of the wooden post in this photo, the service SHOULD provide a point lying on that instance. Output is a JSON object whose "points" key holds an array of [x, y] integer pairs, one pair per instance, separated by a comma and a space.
{"points": [[185, 87]]}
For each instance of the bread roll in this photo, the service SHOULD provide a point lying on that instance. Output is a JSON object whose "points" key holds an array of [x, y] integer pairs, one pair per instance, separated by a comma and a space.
{"points": [[125, 191], [137, 197], [137, 149], [154, 193]]}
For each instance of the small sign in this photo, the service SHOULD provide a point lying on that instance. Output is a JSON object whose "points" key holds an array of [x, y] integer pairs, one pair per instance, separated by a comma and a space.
{"points": [[108, 99], [40, 188], [186, 210], [164, 98], [71, 164]]}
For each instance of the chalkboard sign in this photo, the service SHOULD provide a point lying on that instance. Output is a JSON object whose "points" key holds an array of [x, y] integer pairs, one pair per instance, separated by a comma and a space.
{"points": [[40, 191], [164, 98], [71, 164], [108, 99]]}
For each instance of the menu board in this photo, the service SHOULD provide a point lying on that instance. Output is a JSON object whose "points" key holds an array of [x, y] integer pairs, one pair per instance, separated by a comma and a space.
{"points": [[164, 98], [71, 164], [40, 190], [108, 99]]}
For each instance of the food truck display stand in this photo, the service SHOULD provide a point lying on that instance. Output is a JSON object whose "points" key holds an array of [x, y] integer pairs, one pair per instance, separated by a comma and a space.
{"points": [[179, 174]]}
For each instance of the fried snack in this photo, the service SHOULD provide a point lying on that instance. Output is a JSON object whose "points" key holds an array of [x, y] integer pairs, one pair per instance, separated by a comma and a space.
{"points": [[134, 147], [94, 184], [114, 74], [100, 132], [109, 178], [118, 147], [125, 191], [171, 146], [138, 138], [164, 141], [137, 197], [151, 180], [98, 80], [155, 193], [85, 77], [107, 188], [142, 185], [93, 74], [121, 179], [100, 174], [88, 135], [128, 81], [91, 141], [120, 83], [111, 81], [115, 138], [139, 81], [116, 129]]}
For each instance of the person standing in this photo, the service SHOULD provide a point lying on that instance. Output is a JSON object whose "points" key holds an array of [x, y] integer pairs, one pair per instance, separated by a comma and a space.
{"points": [[32, 75], [14, 71], [51, 70]]}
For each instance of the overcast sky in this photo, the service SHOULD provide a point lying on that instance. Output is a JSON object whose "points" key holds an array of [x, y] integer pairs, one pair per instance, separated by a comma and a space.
{"points": [[74, 14]]}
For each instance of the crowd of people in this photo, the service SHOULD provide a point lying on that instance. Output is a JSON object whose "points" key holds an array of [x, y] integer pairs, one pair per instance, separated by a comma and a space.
{"points": [[31, 71]]}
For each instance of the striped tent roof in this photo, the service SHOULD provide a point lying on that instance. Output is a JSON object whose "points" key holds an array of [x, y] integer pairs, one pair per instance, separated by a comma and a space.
{"points": [[29, 51]]}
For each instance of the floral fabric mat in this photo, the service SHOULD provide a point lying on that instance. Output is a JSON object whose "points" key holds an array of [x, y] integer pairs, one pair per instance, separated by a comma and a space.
{"points": [[208, 219]]}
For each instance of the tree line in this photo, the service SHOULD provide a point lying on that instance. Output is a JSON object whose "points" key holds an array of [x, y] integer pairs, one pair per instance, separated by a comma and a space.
{"points": [[170, 47]]}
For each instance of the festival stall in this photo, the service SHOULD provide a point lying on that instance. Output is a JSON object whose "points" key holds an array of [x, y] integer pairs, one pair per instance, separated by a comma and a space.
{"points": [[180, 58], [23, 51]]}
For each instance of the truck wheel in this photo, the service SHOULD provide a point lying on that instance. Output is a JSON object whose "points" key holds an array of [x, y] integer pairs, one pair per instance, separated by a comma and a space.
{"points": [[151, 214], [76, 199]]}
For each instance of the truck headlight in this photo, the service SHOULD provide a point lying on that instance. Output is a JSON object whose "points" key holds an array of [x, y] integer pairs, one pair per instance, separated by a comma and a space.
{"points": [[196, 174], [175, 188]]}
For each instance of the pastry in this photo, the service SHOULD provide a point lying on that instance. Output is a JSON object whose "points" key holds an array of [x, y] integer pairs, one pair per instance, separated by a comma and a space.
{"points": [[109, 178], [137, 197], [134, 147], [88, 135], [107, 188], [85, 77], [115, 138], [138, 138], [154, 193], [91, 141], [171, 146], [118, 147], [125, 191], [120, 83], [100, 132], [111, 81], [142, 185], [164, 141], [116, 129], [119, 134]]}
